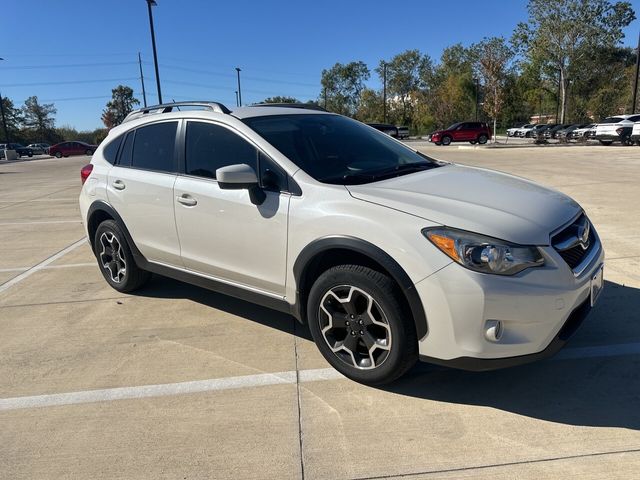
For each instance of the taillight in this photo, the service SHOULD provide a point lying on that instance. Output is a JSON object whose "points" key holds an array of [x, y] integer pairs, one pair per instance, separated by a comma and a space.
{"points": [[85, 172], [619, 130]]}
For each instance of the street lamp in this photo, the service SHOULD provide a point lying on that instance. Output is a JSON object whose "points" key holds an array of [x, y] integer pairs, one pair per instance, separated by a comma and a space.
{"points": [[635, 79], [239, 91], [237, 103], [384, 92], [153, 3], [4, 121]]}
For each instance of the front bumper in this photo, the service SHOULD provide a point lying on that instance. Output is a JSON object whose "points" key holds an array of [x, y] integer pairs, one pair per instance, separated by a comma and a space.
{"points": [[539, 308]]}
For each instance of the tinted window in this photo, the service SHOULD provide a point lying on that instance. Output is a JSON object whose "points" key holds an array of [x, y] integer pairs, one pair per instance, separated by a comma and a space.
{"points": [[111, 150], [153, 148], [612, 120], [125, 153], [635, 118], [209, 147], [334, 149]]}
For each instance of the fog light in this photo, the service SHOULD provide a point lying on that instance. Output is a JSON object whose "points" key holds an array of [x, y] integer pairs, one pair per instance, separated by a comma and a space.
{"points": [[493, 330]]}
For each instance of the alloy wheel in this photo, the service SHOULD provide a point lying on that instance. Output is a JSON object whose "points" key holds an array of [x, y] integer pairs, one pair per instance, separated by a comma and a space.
{"points": [[112, 257], [355, 327]]}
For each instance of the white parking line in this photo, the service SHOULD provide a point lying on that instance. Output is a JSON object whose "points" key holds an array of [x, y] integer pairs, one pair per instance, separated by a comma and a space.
{"points": [[247, 381], [40, 223], [49, 267], [36, 268]]}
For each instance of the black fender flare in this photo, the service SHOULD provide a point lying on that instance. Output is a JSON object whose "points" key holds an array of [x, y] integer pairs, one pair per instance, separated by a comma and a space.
{"points": [[370, 250], [101, 205]]}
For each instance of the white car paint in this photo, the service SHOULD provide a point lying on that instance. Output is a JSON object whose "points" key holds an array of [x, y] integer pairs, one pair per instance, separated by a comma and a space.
{"points": [[225, 237], [611, 128]]}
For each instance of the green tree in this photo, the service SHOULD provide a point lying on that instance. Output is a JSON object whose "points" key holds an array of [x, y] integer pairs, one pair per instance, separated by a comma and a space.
{"points": [[342, 85], [493, 58], [406, 73], [281, 99], [120, 105], [38, 120], [562, 34], [370, 106], [13, 118]]}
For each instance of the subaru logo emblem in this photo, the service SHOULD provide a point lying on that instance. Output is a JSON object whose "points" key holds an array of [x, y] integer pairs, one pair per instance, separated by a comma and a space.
{"points": [[583, 234]]}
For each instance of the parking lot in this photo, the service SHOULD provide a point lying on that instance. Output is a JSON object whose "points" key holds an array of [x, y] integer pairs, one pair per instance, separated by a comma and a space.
{"points": [[179, 382]]}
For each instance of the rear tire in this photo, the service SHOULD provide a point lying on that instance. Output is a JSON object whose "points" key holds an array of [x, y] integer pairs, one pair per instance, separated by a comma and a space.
{"points": [[606, 142], [356, 318], [482, 139], [446, 140], [115, 259]]}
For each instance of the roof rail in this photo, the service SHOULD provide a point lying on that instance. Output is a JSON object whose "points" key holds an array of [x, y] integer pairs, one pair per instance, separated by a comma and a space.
{"points": [[306, 106], [168, 107]]}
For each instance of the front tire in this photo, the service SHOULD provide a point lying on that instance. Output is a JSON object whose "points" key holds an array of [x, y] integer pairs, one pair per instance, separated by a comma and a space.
{"points": [[356, 318], [58, 155], [606, 142], [115, 259], [89, 153]]}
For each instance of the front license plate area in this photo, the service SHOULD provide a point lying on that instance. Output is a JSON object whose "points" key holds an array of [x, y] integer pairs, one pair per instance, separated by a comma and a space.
{"points": [[597, 282]]}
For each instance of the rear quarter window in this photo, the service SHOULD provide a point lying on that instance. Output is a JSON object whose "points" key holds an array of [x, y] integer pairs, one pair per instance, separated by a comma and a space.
{"points": [[110, 151]]}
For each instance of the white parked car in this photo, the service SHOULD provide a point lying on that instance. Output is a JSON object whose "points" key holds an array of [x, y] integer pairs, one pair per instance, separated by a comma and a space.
{"points": [[525, 132], [635, 133], [511, 132], [387, 255], [616, 129], [582, 133]]}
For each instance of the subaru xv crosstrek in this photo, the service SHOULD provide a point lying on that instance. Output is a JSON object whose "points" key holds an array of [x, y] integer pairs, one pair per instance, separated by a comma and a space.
{"points": [[388, 255]]}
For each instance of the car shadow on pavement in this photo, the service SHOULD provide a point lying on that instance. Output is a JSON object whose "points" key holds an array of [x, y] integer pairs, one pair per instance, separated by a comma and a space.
{"points": [[594, 390], [163, 287]]}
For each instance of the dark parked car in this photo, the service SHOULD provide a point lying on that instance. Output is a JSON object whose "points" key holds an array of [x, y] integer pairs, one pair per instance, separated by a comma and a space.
{"points": [[20, 149], [387, 128], [403, 132], [66, 149], [472, 132], [539, 130], [565, 134], [553, 132]]}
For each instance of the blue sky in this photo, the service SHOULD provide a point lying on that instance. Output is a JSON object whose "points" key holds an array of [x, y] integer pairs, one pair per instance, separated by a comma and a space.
{"points": [[281, 46]]}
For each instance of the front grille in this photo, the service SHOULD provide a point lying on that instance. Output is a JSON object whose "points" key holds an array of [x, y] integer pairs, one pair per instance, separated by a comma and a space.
{"points": [[570, 242]]}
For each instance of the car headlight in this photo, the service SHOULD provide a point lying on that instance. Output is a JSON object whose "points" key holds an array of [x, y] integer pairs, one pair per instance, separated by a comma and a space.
{"points": [[483, 254]]}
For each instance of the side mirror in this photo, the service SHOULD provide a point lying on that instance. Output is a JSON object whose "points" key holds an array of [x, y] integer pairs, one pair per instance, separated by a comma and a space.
{"points": [[240, 177]]}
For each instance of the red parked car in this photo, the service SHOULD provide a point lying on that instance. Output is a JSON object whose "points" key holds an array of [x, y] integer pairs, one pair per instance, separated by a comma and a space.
{"points": [[66, 149], [472, 132]]}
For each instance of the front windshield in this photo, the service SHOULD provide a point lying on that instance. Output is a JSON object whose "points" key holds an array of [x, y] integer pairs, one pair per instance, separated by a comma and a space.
{"points": [[338, 150]]}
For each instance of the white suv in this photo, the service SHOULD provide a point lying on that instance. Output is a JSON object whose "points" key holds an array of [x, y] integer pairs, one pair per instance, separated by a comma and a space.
{"points": [[386, 254], [616, 129]]}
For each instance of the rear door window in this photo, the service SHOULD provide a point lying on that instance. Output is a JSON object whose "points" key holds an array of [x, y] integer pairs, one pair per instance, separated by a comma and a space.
{"points": [[111, 150], [154, 147]]}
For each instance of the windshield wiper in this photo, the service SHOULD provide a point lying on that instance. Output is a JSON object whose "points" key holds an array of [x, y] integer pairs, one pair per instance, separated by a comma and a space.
{"points": [[403, 170]]}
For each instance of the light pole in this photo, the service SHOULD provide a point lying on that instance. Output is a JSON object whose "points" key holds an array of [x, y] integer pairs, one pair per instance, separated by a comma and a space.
{"points": [[237, 102], [239, 91], [153, 3], [4, 121], [635, 79], [384, 92], [144, 93]]}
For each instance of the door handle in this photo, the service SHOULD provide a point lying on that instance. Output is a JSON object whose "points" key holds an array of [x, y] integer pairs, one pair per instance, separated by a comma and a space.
{"points": [[187, 200], [118, 185]]}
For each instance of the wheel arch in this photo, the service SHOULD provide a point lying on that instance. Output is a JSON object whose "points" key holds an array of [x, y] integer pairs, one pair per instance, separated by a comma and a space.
{"points": [[327, 252], [98, 212]]}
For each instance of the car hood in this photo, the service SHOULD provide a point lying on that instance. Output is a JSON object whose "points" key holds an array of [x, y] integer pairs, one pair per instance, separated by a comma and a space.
{"points": [[476, 200]]}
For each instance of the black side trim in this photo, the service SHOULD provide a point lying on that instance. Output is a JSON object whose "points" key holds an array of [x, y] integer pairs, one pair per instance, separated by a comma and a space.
{"points": [[484, 364], [375, 253], [216, 286]]}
